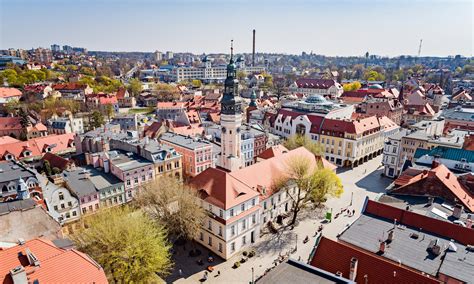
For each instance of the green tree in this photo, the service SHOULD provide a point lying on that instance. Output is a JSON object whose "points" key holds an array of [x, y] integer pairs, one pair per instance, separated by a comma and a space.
{"points": [[127, 244], [174, 205], [135, 87], [11, 106], [166, 92], [372, 75], [314, 184], [109, 111], [24, 118], [296, 141], [241, 75], [97, 119], [197, 83], [354, 86], [47, 167]]}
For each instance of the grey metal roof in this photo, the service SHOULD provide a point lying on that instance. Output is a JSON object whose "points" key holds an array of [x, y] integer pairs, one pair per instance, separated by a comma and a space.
{"points": [[78, 182], [17, 205], [129, 161], [297, 272], [367, 231], [11, 171], [184, 141], [464, 114], [102, 180]]}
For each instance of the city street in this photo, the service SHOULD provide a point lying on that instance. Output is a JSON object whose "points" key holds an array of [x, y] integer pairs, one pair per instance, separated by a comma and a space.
{"points": [[359, 182]]}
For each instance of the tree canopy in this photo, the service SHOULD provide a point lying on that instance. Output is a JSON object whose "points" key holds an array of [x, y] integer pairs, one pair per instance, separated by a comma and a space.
{"points": [[127, 244], [296, 141], [313, 184], [135, 87], [166, 92], [354, 86], [173, 205]]}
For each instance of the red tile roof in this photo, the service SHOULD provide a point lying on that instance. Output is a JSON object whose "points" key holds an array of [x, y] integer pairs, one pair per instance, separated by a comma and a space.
{"points": [[336, 257], [10, 123], [458, 233], [108, 100], [8, 140], [273, 152], [56, 161], [38, 146], [121, 93], [69, 86], [218, 187], [430, 182], [9, 92], [56, 265], [228, 189]]}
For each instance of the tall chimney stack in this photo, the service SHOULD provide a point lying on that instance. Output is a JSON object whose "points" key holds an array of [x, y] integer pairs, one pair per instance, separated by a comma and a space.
{"points": [[253, 49]]}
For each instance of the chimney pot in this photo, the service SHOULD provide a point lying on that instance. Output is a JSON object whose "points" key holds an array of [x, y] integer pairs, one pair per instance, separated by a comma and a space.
{"points": [[448, 175]]}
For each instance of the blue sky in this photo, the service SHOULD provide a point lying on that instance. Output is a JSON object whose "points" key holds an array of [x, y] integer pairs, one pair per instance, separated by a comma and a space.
{"points": [[329, 27]]}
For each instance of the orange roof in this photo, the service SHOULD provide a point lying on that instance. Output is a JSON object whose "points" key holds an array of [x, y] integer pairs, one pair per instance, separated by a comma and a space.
{"points": [[228, 189], [335, 257], [442, 174], [69, 86], [170, 105], [9, 92], [191, 130], [56, 265], [273, 151], [387, 123], [218, 187], [108, 100], [274, 168], [38, 127], [193, 116], [8, 140], [10, 123], [38, 146]]}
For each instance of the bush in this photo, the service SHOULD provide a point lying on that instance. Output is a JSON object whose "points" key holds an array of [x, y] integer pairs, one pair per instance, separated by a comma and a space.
{"points": [[244, 253], [252, 253], [237, 264]]}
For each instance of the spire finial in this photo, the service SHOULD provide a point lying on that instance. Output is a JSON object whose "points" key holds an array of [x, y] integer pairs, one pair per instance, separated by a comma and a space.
{"points": [[231, 48]]}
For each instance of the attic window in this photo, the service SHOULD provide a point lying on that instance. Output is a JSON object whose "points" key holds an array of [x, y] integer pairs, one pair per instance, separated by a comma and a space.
{"points": [[8, 157]]}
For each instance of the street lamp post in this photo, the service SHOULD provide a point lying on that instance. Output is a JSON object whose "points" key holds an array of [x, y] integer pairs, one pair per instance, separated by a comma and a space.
{"points": [[296, 245], [252, 277]]}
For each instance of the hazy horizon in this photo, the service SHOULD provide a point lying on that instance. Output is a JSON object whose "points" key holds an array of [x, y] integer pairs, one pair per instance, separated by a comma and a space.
{"points": [[331, 28]]}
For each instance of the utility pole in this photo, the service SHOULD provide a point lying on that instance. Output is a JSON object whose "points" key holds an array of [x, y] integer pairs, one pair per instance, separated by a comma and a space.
{"points": [[419, 48]]}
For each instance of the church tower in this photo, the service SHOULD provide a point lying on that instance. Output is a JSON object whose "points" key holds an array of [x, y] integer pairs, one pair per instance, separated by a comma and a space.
{"points": [[231, 119]]}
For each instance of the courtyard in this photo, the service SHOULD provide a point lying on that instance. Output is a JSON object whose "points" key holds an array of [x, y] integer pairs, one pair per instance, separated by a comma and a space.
{"points": [[359, 183]]}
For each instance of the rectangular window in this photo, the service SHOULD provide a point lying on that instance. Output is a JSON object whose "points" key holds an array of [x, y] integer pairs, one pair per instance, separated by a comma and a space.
{"points": [[244, 224], [210, 241], [220, 231], [220, 247], [221, 213], [62, 206], [209, 225], [254, 219], [201, 236], [135, 180], [244, 240], [56, 207], [265, 205], [61, 196], [231, 212], [232, 247], [253, 202], [242, 207], [74, 213], [232, 230]]}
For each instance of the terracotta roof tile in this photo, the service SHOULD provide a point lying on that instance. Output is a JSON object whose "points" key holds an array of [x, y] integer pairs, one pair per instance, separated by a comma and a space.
{"points": [[9, 92], [56, 265]]}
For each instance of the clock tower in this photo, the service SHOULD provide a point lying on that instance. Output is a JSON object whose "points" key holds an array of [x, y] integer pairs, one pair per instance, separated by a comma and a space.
{"points": [[231, 119]]}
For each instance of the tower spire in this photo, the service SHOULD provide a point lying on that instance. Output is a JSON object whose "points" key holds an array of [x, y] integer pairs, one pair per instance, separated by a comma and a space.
{"points": [[231, 49]]}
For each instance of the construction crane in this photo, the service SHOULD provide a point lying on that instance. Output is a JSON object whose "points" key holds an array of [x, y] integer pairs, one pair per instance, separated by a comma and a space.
{"points": [[419, 48]]}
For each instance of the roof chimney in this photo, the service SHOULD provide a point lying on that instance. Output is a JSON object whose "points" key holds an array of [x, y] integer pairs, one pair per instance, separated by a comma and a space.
{"points": [[434, 164], [382, 247], [448, 175], [390, 236], [32, 259], [18, 275], [353, 269]]}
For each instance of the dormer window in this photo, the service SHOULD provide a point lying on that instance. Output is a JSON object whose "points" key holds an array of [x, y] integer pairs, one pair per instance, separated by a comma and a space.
{"points": [[9, 157], [27, 153]]}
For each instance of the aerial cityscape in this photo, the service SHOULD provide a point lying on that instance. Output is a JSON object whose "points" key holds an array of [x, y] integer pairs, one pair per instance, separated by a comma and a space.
{"points": [[236, 141]]}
